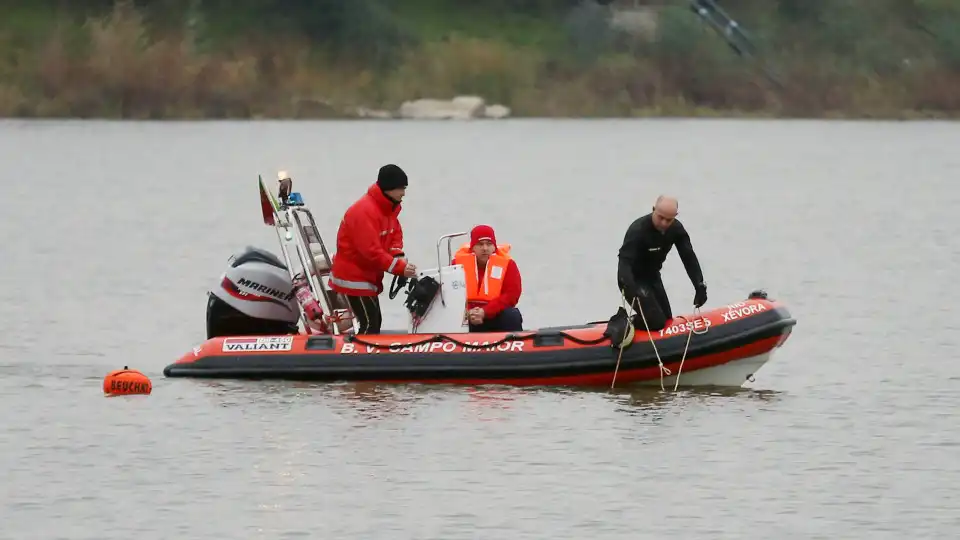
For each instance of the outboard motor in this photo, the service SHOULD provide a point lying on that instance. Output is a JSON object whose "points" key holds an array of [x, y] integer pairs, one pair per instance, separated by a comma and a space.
{"points": [[254, 297]]}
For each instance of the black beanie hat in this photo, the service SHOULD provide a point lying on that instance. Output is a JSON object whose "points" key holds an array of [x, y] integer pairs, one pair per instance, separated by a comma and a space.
{"points": [[391, 177]]}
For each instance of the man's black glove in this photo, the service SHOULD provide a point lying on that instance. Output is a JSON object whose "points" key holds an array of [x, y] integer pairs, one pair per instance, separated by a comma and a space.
{"points": [[400, 278], [700, 297], [634, 294]]}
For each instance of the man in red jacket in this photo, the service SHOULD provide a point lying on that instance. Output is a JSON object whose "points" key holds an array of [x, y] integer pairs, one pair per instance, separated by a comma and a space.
{"points": [[370, 243], [493, 283]]}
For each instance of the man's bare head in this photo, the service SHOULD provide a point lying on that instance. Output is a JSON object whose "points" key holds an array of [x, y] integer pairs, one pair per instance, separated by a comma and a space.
{"points": [[665, 211]]}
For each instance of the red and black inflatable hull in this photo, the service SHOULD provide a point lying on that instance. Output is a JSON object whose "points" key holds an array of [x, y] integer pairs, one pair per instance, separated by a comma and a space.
{"points": [[564, 356]]}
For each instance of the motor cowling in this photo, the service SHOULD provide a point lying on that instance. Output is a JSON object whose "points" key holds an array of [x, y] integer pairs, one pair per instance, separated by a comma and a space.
{"points": [[254, 296]]}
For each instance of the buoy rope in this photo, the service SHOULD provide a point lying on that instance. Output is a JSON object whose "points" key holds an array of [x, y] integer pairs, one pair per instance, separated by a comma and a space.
{"points": [[663, 368], [627, 310], [690, 334]]}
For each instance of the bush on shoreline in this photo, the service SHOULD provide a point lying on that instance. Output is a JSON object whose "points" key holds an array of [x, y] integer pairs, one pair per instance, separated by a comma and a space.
{"points": [[122, 65]]}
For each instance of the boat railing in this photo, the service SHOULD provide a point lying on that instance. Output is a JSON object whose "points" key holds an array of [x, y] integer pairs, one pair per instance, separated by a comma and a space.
{"points": [[440, 264], [300, 227]]}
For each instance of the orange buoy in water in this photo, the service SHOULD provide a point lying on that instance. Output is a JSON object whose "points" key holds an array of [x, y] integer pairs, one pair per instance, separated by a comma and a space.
{"points": [[125, 382]]}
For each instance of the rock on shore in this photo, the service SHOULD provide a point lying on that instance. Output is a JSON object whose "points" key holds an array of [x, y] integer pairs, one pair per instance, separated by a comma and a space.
{"points": [[458, 108]]}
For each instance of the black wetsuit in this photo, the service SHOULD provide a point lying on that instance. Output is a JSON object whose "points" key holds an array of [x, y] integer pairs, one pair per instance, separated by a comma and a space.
{"points": [[641, 257]]}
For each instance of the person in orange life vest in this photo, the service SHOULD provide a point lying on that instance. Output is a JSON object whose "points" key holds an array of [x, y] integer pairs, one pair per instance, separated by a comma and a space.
{"points": [[370, 243], [493, 283]]}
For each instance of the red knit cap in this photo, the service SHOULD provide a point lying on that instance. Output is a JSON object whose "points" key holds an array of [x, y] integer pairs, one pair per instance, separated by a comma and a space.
{"points": [[482, 232]]}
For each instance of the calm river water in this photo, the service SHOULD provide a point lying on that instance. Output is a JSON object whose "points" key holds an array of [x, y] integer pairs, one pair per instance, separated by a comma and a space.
{"points": [[112, 233]]}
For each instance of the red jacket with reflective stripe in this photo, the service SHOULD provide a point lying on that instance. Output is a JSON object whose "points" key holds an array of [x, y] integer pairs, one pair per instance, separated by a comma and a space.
{"points": [[368, 241]]}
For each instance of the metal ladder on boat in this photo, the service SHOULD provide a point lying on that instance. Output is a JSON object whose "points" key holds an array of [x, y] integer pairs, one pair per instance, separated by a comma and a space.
{"points": [[306, 237]]}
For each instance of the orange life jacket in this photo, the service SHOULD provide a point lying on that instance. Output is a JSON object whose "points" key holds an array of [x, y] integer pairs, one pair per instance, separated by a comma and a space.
{"points": [[482, 289]]}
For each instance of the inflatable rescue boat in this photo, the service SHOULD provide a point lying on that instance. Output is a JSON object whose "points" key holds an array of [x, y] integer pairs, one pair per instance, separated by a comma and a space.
{"points": [[255, 309]]}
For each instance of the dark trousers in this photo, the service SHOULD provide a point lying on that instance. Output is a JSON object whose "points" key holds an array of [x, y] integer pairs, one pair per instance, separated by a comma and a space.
{"points": [[366, 309], [508, 320], [653, 300]]}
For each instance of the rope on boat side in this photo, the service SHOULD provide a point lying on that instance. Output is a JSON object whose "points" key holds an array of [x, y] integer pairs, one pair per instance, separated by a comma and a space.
{"points": [[628, 308], [444, 337], [663, 369], [690, 334], [627, 336]]}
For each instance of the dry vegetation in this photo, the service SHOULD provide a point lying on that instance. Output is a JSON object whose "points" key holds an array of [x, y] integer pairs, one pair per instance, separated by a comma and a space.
{"points": [[112, 66]]}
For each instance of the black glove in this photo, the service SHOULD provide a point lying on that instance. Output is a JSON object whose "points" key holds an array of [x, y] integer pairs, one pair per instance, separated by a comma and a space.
{"points": [[700, 297], [634, 294], [400, 278]]}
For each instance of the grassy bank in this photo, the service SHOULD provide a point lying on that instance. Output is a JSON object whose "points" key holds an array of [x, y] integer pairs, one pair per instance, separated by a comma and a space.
{"points": [[177, 60]]}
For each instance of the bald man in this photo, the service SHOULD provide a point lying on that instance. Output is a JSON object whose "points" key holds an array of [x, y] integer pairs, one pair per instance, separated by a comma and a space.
{"points": [[645, 246]]}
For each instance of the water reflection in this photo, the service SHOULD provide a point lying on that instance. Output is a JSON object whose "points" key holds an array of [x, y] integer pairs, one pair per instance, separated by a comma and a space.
{"points": [[373, 401]]}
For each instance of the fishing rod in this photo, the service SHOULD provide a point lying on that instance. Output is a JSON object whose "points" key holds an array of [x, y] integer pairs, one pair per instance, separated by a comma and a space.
{"points": [[730, 30]]}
